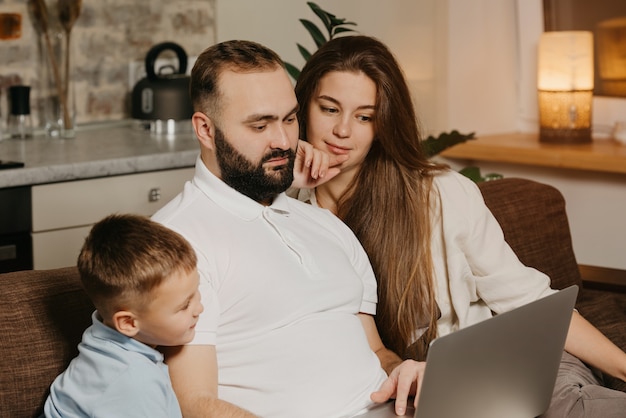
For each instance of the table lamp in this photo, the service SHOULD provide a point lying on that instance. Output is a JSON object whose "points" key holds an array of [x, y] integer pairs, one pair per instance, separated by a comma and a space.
{"points": [[565, 86]]}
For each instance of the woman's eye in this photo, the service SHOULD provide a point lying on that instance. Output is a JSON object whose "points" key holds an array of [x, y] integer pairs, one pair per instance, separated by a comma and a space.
{"points": [[364, 118], [328, 109]]}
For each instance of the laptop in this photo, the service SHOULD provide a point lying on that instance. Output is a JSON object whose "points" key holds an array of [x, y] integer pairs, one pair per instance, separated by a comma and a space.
{"points": [[505, 366]]}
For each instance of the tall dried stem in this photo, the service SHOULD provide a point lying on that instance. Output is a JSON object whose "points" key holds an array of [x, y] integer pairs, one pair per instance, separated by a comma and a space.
{"points": [[40, 18]]}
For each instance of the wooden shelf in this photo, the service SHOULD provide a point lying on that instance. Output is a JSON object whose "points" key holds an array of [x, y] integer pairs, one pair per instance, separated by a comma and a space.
{"points": [[603, 278], [605, 155]]}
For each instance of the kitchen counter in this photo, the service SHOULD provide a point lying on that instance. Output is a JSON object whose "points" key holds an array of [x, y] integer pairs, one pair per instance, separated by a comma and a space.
{"points": [[98, 150]]}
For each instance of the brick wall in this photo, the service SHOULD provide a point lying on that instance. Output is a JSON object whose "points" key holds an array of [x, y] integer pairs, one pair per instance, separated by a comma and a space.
{"points": [[106, 37]]}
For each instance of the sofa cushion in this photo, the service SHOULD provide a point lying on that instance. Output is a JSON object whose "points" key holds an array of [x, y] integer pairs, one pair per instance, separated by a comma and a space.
{"points": [[49, 310], [533, 218]]}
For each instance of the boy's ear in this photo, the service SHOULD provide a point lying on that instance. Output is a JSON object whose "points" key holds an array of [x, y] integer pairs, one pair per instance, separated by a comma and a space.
{"points": [[126, 323]]}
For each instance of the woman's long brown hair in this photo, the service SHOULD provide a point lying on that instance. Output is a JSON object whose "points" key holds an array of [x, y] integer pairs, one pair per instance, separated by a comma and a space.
{"points": [[388, 204]]}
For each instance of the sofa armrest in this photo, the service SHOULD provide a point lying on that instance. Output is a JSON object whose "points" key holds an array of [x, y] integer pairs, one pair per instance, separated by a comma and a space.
{"points": [[533, 218], [42, 317]]}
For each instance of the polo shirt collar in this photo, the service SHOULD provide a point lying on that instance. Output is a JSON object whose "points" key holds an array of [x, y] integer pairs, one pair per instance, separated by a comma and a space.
{"points": [[231, 200]]}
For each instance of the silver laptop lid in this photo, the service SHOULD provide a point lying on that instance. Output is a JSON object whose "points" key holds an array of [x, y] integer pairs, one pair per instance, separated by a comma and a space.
{"points": [[505, 366]]}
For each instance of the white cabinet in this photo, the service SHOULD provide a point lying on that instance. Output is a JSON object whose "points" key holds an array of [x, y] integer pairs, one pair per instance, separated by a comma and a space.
{"points": [[63, 213]]}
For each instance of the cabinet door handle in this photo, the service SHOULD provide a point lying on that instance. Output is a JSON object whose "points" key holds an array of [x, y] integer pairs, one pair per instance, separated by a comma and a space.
{"points": [[8, 252], [155, 194]]}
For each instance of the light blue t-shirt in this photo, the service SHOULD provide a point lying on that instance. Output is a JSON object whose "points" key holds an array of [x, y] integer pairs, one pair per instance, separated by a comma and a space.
{"points": [[112, 376]]}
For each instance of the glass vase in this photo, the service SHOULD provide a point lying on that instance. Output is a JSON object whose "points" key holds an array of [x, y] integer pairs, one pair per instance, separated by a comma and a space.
{"points": [[57, 90]]}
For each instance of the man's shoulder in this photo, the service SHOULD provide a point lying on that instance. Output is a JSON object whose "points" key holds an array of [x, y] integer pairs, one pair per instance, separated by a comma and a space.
{"points": [[314, 221], [306, 209], [179, 205]]}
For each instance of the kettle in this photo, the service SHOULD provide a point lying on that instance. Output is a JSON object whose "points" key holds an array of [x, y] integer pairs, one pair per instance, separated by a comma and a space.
{"points": [[160, 96]]}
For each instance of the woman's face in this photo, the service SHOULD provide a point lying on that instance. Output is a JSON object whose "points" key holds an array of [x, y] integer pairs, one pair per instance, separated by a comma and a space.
{"points": [[340, 118]]}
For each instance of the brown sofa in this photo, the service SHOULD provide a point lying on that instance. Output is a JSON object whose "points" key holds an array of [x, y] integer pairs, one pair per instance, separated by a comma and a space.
{"points": [[43, 313]]}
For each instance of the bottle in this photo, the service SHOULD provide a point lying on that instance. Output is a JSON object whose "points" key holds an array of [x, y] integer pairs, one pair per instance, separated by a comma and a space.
{"points": [[20, 125]]}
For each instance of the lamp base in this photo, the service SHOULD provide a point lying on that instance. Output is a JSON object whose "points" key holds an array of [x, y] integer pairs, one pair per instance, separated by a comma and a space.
{"points": [[565, 116], [565, 136]]}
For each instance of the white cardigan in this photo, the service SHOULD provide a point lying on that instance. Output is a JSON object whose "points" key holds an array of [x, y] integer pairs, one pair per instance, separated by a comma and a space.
{"points": [[477, 273]]}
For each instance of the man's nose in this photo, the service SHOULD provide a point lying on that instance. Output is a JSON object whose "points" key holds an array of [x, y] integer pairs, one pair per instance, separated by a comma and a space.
{"points": [[281, 139]]}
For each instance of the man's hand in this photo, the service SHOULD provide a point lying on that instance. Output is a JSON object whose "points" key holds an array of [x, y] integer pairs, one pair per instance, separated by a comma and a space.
{"points": [[403, 381], [314, 167]]}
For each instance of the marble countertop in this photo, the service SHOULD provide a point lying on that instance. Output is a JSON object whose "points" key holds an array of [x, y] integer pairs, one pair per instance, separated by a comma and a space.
{"points": [[99, 150]]}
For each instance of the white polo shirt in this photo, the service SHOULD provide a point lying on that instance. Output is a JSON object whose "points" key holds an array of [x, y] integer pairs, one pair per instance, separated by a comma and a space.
{"points": [[281, 286]]}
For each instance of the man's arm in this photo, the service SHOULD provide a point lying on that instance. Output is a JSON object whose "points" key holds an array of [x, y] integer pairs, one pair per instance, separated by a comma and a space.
{"points": [[405, 377], [193, 371]]}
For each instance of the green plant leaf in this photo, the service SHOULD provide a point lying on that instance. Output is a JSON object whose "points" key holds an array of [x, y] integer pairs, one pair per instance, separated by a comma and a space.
{"points": [[304, 52], [433, 146], [492, 176], [334, 20], [323, 15], [340, 22], [332, 24], [472, 173], [340, 29], [314, 31], [292, 70]]}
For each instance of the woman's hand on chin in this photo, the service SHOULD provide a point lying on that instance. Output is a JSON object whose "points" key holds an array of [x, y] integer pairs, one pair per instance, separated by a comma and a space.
{"points": [[314, 167]]}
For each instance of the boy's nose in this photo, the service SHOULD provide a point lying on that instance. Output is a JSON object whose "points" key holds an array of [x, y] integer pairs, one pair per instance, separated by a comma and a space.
{"points": [[199, 309]]}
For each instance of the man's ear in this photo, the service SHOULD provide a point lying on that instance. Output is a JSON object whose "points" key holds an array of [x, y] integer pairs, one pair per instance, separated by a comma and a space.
{"points": [[126, 323], [204, 128]]}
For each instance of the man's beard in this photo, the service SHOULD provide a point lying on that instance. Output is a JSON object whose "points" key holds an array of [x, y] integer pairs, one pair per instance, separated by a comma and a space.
{"points": [[253, 181]]}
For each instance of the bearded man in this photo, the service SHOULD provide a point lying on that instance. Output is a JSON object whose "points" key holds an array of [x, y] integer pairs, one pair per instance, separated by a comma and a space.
{"points": [[288, 291]]}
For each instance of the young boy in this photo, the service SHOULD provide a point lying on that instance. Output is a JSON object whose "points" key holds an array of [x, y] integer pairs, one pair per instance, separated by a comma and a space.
{"points": [[143, 281]]}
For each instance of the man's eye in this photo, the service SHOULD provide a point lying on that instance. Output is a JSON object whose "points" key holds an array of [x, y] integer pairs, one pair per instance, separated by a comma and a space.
{"points": [[290, 120], [259, 128]]}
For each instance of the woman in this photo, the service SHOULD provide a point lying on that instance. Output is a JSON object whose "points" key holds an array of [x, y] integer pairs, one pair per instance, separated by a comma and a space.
{"points": [[438, 253]]}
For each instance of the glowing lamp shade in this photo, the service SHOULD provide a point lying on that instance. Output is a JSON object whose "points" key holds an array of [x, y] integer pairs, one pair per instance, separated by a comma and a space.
{"points": [[565, 86]]}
